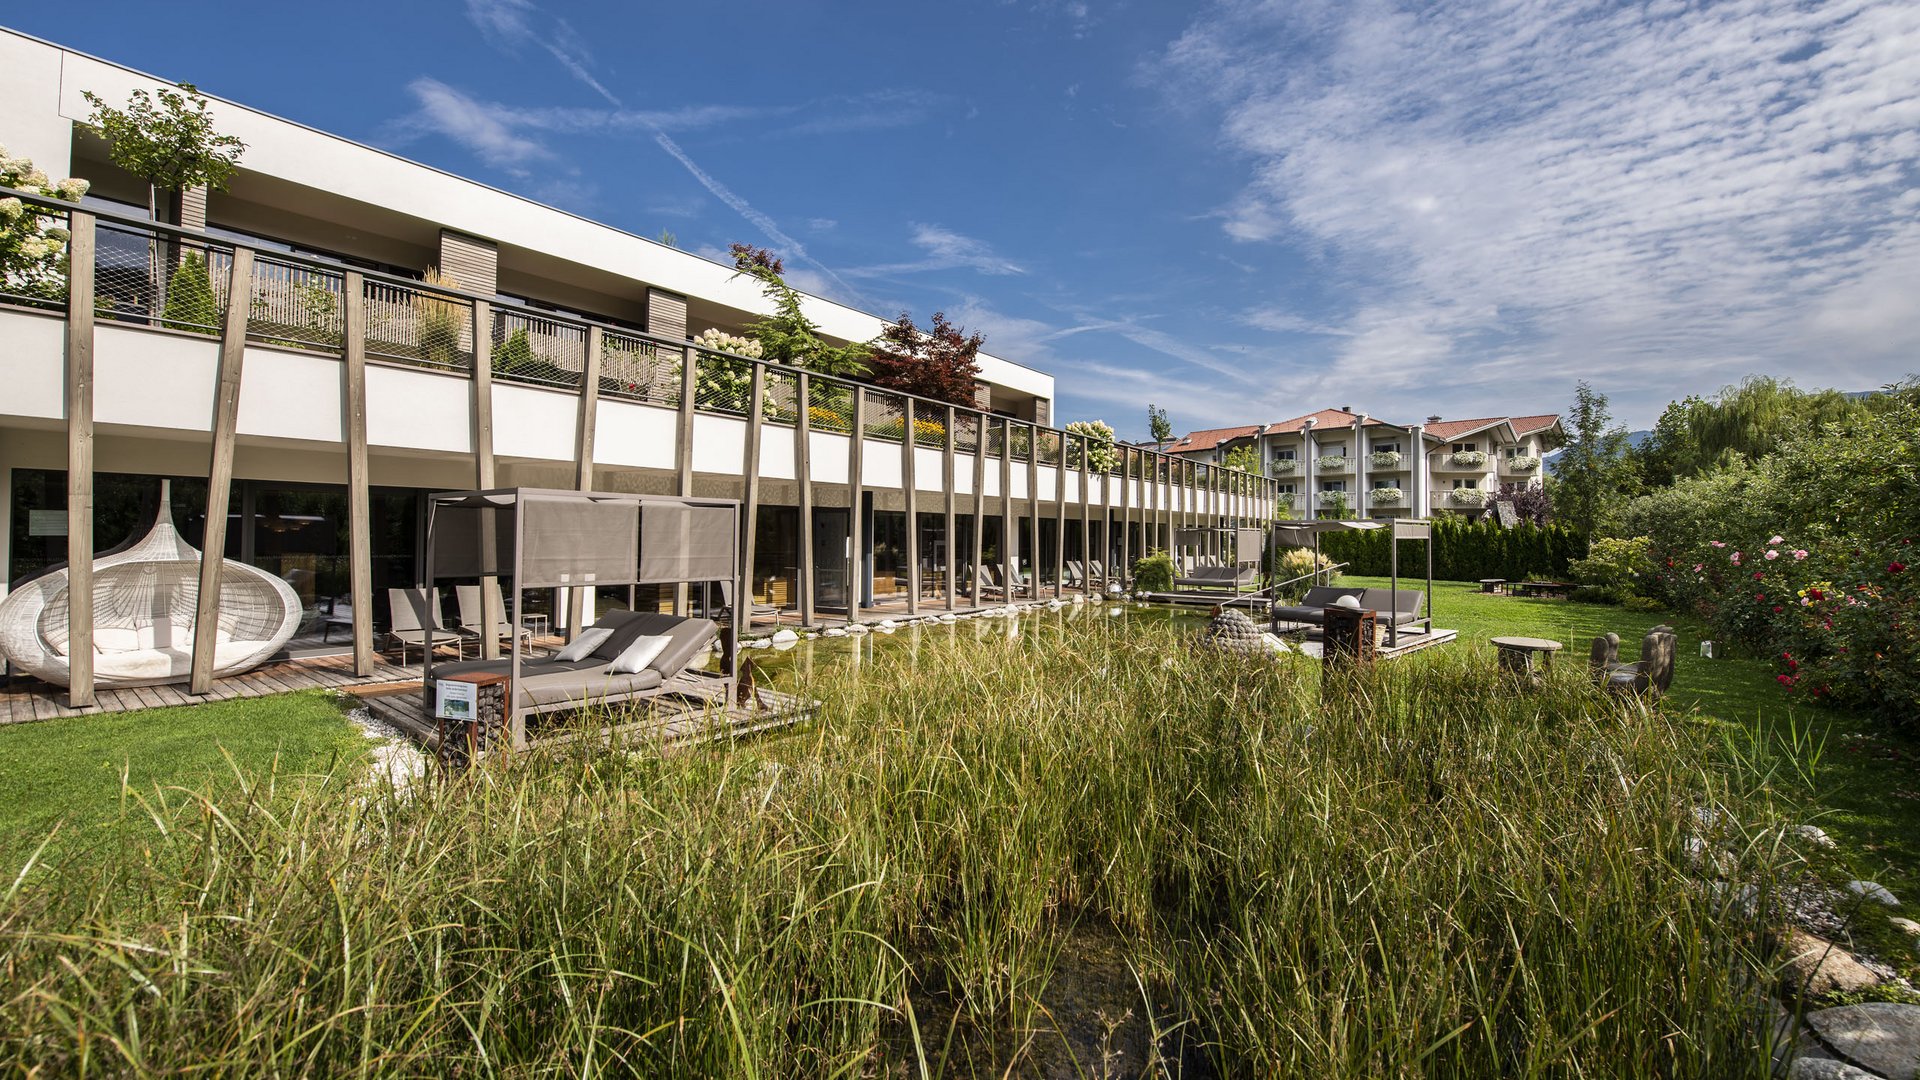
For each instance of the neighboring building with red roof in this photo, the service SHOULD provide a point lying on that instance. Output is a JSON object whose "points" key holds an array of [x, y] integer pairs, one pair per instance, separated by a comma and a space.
{"points": [[1340, 460]]}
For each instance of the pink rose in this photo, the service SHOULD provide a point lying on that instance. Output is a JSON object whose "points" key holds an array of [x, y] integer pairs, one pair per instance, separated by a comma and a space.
{"points": [[1799, 554], [1716, 543], [1736, 558], [1776, 540], [1772, 555]]}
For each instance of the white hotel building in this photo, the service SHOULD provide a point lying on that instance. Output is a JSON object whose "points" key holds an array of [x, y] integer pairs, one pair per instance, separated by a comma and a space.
{"points": [[1379, 469], [355, 385]]}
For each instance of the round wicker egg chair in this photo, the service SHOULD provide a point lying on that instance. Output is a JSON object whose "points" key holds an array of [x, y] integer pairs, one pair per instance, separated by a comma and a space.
{"points": [[144, 598]]}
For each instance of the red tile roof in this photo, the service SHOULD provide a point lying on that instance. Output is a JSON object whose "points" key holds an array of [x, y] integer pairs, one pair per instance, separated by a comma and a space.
{"points": [[1447, 429], [1211, 437], [1527, 425], [1322, 420]]}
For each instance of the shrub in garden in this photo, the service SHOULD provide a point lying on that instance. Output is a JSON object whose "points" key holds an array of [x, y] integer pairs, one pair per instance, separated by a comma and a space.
{"points": [[1464, 551], [33, 246], [1153, 572], [1612, 571], [1101, 455]]}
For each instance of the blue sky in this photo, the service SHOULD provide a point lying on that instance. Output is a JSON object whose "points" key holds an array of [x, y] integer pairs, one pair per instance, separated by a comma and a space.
{"points": [[1241, 211]]}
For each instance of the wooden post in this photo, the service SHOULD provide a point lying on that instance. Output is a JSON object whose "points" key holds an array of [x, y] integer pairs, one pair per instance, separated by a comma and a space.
{"points": [[1007, 566], [803, 470], [1126, 527], [80, 250], [353, 371], [1086, 516], [952, 541], [1060, 517], [981, 421], [491, 604], [856, 558], [683, 449], [750, 468], [1033, 509], [589, 412], [907, 451], [226, 417]]}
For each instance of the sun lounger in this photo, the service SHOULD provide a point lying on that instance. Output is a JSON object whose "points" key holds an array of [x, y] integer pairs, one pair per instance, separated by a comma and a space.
{"points": [[553, 684]]}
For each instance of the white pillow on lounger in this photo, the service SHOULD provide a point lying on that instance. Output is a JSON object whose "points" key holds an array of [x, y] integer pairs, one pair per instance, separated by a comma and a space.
{"points": [[588, 641], [644, 650]]}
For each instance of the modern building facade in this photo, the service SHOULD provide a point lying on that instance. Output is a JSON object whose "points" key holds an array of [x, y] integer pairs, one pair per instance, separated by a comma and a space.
{"points": [[1342, 463], [317, 382]]}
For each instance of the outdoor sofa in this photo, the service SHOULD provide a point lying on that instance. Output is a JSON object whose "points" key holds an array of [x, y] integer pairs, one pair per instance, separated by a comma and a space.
{"points": [[1389, 607], [1217, 577], [552, 684]]}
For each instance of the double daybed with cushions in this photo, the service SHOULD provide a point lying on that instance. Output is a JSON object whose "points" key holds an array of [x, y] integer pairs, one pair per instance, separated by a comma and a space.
{"points": [[1395, 608], [561, 682], [1220, 577]]}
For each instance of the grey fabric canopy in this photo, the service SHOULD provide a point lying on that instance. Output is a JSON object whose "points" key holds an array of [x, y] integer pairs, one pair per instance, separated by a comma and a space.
{"points": [[572, 538]]}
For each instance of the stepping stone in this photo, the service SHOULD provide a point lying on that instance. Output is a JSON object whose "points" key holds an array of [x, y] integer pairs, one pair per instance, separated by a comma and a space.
{"points": [[1808, 1068], [1874, 891], [1879, 1036]]}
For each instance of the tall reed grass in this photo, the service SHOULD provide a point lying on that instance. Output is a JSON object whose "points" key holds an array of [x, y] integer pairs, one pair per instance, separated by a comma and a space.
{"points": [[1425, 873]]}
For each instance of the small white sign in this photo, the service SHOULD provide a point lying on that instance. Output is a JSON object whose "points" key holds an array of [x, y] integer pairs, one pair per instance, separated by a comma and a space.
{"points": [[455, 699]]}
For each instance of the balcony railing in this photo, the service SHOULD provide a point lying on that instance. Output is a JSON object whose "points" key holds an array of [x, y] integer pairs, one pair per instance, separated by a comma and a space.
{"points": [[179, 279], [1333, 463], [1461, 499], [1519, 463], [1462, 461]]}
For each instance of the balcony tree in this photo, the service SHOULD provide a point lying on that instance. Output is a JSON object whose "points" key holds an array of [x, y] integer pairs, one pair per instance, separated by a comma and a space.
{"points": [[788, 336], [168, 140], [940, 363]]}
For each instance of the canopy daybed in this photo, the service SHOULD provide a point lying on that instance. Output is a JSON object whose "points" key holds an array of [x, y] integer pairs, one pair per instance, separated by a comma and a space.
{"points": [[144, 600], [1396, 607], [537, 538]]}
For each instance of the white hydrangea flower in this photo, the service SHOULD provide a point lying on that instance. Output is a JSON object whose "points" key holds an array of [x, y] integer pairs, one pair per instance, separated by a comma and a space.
{"points": [[11, 208], [72, 188]]}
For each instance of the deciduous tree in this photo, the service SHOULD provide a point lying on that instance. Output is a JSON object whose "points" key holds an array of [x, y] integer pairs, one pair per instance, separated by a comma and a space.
{"points": [[940, 363]]}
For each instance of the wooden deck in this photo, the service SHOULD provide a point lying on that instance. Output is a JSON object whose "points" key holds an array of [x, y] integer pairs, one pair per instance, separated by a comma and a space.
{"points": [[24, 699]]}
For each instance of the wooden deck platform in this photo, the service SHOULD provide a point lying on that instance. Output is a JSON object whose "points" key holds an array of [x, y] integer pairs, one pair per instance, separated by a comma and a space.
{"points": [[23, 699], [1210, 597]]}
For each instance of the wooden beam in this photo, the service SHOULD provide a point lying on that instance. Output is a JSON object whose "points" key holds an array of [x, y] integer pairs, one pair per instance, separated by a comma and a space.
{"points": [[80, 259], [1033, 510], [1006, 506], [907, 454], [856, 558], [589, 411], [1086, 516], [481, 424], [353, 374], [952, 541], [803, 470], [226, 418], [683, 448], [750, 468], [980, 427], [1060, 517], [1126, 466]]}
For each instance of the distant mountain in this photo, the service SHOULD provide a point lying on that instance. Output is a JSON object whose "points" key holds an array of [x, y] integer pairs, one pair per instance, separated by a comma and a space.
{"points": [[1634, 439]]}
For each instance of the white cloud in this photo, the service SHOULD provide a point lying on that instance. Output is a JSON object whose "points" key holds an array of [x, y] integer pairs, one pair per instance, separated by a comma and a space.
{"points": [[1626, 192], [479, 126], [945, 250]]}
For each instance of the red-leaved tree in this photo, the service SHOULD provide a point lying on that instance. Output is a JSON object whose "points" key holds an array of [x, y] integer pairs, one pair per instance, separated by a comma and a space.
{"points": [[938, 363]]}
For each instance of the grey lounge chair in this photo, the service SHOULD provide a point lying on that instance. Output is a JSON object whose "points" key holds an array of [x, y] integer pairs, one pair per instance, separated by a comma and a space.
{"points": [[1308, 610], [550, 685], [415, 621], [1398, 608], [472, 618]]}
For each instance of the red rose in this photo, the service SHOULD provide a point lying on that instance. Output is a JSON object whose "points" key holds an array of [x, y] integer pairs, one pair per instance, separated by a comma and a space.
{"points": [[1776, 609], [1895, 567]]}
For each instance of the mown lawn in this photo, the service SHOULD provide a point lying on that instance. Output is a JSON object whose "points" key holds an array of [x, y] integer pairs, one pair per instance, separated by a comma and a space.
{"points": [[67, 777], [1867, 784]]}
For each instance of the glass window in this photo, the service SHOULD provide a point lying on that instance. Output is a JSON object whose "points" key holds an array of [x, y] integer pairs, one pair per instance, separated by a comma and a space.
{"points": [[1386, 447]]}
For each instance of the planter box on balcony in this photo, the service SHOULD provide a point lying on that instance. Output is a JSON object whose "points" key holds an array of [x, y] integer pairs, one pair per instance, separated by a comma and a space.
{"points": [[1283, 467], [1522, 463], [1467, 459], [1386, 496], [1332, 463], [1467, 497], [1384, 459]]}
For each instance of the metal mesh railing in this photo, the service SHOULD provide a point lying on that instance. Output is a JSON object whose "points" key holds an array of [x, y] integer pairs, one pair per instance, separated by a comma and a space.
{"points": [[829, 407], [781, 397], [722, 384], [142, 277], [633, 367], [295, 306], [929, 426], [966, 432], [885, 416], [531, 349], [415, 326]]}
